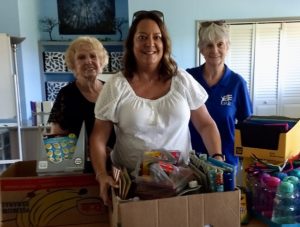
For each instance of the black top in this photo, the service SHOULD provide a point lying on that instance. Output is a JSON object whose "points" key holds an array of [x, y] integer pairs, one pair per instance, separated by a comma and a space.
{"points": [[71, 109]]}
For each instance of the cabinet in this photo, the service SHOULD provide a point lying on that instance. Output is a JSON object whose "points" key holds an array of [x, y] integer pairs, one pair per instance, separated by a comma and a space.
{"points": [[10, 111], [54, 72]]}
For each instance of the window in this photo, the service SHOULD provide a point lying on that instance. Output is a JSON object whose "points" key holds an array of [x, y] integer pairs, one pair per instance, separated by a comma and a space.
{"points": [[267, 55]]}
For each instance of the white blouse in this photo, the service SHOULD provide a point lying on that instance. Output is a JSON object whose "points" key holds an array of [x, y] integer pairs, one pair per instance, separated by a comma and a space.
{"points": [[143, 124]]}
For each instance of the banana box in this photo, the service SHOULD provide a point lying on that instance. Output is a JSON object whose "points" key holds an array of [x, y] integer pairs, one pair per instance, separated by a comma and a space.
{"points": [[28, 200], [61, 154]]}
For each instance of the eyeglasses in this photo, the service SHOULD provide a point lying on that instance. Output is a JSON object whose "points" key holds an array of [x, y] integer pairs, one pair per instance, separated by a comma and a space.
{"points": [[208, 23], [141, 12]]}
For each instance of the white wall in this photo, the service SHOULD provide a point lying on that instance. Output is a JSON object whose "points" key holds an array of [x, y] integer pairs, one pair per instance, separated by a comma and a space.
{"points": [[181, 16], [31, 82], [9, 17], [19, 18]]}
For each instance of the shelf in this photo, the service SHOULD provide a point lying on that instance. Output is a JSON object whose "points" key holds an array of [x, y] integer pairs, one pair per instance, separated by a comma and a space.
{"points": [[8, 125], [58, 72]]}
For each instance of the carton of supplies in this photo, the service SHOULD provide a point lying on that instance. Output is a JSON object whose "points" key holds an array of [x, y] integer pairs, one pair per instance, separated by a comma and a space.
{"points": [[174, 193], [271, 138]]}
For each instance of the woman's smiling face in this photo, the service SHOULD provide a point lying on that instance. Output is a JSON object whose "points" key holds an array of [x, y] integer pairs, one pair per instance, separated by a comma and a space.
{"points": [[148, 46], [215, 52], [87, 63]]}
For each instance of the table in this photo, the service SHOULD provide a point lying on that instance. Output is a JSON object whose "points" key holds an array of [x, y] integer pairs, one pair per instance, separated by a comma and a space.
{"points": [[252, 223], [255, 223]]}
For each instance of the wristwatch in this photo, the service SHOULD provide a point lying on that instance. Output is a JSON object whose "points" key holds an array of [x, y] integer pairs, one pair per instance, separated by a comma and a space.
{"points": [[218, 155]]}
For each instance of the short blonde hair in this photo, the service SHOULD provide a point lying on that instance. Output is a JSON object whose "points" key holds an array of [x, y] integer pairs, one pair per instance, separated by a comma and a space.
{"points": [[213, 31], [85, 41]]}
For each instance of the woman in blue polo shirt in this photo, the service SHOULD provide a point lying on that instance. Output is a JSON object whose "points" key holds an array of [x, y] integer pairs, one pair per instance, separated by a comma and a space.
{"points": [[229, 101]]}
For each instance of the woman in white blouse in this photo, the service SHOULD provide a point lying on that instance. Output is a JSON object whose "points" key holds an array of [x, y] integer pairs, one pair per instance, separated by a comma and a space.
{"points": [[149, 104]]}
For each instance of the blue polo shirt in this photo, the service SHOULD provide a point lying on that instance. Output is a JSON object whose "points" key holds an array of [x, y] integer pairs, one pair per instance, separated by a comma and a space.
{"points": [[227, 102]]}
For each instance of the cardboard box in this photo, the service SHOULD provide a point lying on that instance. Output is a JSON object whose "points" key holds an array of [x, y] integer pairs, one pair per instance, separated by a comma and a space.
{"points": [[288, 146], [29, 200], [218, 209]]}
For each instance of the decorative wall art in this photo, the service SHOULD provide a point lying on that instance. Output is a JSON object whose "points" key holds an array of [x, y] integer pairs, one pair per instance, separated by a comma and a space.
{"points": [[116, 61], [86, 16], [53, 88], [56, 74], [47, 24], [55, 62], [106, 69]]}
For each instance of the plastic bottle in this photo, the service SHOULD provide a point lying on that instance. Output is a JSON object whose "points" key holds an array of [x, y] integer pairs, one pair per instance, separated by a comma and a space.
{"points": [[284, 211], [261, 191], [271, 185], [292, 178], [294, 172], [280, 175], [295, 181], [253, 184]]}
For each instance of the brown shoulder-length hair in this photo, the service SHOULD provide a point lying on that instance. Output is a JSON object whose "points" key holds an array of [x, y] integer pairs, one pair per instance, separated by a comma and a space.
{"points": [[168, 67]]}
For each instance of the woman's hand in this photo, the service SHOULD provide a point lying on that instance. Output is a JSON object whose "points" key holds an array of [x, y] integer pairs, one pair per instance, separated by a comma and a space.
{"points": [[105, 182]]}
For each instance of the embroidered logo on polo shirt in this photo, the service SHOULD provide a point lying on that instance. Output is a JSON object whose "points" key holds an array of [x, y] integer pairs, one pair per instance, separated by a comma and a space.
{"points": [[226, 100]]}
